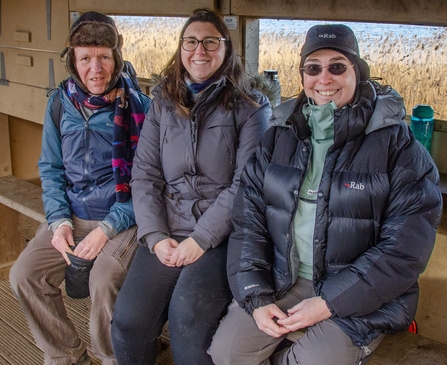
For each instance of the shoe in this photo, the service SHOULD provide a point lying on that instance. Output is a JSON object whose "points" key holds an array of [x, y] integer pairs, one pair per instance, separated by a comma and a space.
{"points": [[84, 359]]}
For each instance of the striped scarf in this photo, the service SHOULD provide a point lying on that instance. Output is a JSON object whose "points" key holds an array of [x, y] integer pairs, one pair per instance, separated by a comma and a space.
{"points": [[128, 120]]}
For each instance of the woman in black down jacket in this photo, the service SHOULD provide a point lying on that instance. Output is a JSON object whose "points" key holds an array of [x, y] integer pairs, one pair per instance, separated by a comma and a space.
{"points": [[334, 220]]}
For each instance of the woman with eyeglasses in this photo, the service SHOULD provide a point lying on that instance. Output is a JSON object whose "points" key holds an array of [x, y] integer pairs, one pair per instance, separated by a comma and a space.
{"points": [[204, 123], [334, 220]]}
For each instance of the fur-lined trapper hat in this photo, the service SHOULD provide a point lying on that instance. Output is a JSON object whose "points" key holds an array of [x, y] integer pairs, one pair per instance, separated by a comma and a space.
{"points": [[93, 29]]}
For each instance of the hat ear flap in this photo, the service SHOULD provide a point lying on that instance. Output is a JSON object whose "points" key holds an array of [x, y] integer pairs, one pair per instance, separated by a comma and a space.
{"points": [[119, 65], [63, 53]]}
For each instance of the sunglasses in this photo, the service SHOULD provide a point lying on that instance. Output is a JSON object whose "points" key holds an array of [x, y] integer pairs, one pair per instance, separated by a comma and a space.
{"points": [[336, 69]]}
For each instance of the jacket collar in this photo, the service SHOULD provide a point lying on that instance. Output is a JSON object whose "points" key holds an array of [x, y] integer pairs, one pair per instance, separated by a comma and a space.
{"points": [[374, 107], [389, 110]]}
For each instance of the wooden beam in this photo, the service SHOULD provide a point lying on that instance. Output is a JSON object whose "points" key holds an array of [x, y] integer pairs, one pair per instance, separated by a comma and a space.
{"points": [[432, 12], [251, 45], [5, 156], [141, 7]]}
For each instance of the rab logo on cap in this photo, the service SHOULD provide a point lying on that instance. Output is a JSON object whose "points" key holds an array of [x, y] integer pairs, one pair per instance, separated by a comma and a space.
{"points": [[327, 35]]}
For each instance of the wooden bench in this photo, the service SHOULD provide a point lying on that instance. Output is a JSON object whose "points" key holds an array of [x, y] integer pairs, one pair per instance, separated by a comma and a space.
{"points": [[404, 348], [21, 212]]}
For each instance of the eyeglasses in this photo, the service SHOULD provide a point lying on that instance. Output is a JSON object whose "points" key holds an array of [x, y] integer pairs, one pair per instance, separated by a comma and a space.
{"points": [[190, 44], [336, 69]]}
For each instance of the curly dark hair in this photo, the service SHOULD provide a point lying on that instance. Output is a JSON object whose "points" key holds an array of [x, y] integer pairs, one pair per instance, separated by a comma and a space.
{"points": [[174, 87]]}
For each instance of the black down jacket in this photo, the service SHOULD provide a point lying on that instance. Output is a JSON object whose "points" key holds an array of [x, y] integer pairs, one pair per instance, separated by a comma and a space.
{"points": [[378, 208]]}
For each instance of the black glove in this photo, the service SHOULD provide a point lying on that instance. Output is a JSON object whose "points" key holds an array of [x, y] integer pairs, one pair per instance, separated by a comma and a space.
{"points": [[77, 277]]}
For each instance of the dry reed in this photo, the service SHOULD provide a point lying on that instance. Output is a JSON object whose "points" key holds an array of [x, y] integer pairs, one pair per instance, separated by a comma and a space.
{"points": [[412, 65]]}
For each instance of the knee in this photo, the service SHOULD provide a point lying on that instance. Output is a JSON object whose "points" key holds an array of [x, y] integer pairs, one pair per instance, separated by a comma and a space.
{"points": [[119, 335], [105, 282], [121, 330], [127, 320], [122, 321], [190, 307], [223, 350], [18, 276], [219, 354]]}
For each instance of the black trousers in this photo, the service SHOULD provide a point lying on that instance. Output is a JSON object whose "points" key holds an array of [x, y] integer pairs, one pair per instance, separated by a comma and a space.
{"points": [[194, 298]]}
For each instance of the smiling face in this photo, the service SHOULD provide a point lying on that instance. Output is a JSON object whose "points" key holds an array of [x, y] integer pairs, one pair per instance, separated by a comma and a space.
{"points": [[202, 64], [325, 87], [95, 67]]}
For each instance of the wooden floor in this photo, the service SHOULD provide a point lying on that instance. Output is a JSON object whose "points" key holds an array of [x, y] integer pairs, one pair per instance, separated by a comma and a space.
{"points": [[406, 348], [17, 346]]}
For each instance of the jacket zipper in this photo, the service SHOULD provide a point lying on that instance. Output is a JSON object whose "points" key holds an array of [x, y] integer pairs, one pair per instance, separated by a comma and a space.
{"points": [[291, 271], [297, 198], [87, 160], [193, 130]]}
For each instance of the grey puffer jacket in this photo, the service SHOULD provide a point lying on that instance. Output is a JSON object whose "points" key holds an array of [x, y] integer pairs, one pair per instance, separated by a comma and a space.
{"points": [[378, 207], [186, 170]]}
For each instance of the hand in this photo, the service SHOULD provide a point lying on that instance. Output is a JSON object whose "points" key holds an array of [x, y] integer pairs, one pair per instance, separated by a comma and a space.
{"points": [[164, 250], [62, 240], [91, 245], [186, 253], [305, 314], [264, 317]]}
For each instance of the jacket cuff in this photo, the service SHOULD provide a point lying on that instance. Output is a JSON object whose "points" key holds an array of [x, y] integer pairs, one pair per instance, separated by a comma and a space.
{"points": [[108, 230], [333, 314], [152, 238], [61, 222], [203, 243], [257, 302]]}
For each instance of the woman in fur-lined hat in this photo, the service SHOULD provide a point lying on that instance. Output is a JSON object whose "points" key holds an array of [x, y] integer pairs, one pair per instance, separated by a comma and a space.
{"points": [[91, 128]]}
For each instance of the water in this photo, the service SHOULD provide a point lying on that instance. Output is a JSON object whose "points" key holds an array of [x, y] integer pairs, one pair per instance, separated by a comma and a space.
{"points": [[411, 58], [371, 30]]}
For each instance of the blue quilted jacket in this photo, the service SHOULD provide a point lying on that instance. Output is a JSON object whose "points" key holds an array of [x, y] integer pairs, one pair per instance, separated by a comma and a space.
{"points": [[76, 166]]}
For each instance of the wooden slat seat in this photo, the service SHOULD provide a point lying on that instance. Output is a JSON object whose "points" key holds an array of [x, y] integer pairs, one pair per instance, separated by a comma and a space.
{"points": [[404, 348], [22, 196], [17, 347]]}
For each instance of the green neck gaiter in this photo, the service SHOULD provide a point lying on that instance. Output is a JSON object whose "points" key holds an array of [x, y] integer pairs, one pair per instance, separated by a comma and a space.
{"points": [[321, 122]]}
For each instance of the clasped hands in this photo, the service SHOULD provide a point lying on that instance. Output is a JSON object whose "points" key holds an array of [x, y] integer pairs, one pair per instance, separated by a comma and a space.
{"points": [[174, 254], [274, 322]]}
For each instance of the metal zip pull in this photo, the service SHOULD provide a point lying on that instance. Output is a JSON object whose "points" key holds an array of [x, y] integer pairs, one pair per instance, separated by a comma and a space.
{"points": [[193, 131], [366, 350]]}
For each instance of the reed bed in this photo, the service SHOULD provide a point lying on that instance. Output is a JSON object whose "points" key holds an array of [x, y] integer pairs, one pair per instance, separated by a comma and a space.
{"points": [[413, 65]]}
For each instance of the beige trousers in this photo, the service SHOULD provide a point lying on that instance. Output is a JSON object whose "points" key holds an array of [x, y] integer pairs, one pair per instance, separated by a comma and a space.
{"points": [[35, 279]]}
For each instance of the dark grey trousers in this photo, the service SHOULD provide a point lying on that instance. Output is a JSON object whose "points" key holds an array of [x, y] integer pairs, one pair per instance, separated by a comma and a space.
{"points": [[238, 341]]}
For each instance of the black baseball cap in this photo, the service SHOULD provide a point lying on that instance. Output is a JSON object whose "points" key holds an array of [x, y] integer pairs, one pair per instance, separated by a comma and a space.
{"points": [[338, 37]]}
